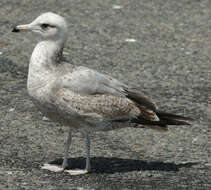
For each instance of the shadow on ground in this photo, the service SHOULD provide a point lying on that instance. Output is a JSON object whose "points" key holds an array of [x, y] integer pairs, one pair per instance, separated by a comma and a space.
{"points": [[119, 165]]}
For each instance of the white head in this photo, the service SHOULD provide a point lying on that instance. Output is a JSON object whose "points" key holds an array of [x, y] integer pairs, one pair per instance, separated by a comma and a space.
{"points": [[49, 26]]}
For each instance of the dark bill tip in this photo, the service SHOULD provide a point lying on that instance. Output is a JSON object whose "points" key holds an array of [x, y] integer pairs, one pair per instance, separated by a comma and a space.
{"points": [[15, 29]]}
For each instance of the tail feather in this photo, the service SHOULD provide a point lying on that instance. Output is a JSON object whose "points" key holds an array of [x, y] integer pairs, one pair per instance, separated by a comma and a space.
{"points": [[152, 118], [162, 124], [170, 121], [173, 116]]}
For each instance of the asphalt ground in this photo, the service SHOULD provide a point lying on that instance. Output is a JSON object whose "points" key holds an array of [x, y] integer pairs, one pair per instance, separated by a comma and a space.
{"points": [[167, 57]]}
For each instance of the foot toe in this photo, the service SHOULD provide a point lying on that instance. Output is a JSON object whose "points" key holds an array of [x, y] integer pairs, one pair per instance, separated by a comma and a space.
{"points": [[77, 172], [53, 168]]}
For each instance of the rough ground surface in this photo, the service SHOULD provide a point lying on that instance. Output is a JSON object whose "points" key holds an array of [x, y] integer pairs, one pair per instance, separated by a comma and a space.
{"points": [[170, 61]]}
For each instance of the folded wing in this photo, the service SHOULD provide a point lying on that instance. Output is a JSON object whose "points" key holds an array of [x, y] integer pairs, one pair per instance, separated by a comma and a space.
{"points": [[102, 95]]}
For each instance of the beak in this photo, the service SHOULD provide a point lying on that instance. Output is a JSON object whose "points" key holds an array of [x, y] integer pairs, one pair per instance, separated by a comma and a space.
{"points": [[20, 28]]}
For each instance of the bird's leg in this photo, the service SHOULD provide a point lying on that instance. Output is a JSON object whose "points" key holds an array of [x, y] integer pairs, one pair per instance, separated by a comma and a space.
{"points": [[56, 168], [66, 149], [88, 164]]}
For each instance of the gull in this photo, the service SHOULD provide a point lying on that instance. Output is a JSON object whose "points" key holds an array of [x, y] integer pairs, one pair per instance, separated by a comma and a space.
{"points": [[81, 98]]}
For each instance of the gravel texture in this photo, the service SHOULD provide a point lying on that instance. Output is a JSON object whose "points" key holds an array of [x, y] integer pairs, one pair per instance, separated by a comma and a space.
{"points": [[162, 47]]}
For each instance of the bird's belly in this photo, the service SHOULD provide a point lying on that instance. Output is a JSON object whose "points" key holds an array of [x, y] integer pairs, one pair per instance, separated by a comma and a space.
{"points": [[64, 113], [66, 119], [54, 114]]}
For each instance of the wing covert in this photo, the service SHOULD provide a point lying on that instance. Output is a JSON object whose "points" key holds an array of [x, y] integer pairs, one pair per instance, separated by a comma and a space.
{"points": [[87, 81]]}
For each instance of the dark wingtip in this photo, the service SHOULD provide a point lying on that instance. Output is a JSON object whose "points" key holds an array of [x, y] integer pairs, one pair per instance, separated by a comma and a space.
{"points": [[140, 99], [173, 116], [15, 29]]}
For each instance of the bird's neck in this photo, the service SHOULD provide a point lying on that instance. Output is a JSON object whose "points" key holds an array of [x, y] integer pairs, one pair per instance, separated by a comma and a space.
{"points": [[43, 64], [47, 53]]}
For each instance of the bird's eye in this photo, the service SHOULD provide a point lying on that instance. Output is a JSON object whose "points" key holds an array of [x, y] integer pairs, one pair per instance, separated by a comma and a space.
{"points": [[45, 26]]}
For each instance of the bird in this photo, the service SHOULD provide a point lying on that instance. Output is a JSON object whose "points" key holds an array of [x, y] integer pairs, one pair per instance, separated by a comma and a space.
{"points": [[80, 98]]}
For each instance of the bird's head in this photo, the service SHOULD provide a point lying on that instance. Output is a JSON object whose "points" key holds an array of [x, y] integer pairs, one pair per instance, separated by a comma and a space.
{"points": [[49, 26]]}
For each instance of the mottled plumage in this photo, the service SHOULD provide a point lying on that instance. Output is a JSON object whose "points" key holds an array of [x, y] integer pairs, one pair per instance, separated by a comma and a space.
{"points": [[81, 98]]}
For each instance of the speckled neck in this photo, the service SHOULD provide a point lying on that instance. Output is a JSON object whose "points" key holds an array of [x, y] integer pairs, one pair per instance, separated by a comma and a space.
{"points": [[43, 65]]}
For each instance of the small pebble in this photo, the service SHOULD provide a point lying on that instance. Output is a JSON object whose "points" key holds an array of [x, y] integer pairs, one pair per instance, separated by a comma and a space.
{"points": [[194, 140], [117, 7], [11, 109], [45, 119], [130, 40], [65, 53]]}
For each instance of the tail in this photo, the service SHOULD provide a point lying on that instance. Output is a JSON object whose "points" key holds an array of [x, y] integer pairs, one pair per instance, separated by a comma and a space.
{"points": [[152, 118], [165, 119]]}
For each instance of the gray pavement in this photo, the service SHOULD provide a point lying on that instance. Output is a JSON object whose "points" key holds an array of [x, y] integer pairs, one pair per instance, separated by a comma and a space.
{"points": [[170, 61]]}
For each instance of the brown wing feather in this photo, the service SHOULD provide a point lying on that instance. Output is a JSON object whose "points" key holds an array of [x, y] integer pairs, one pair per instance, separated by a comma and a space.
{"points": [[140, 99], [152, 118]]}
